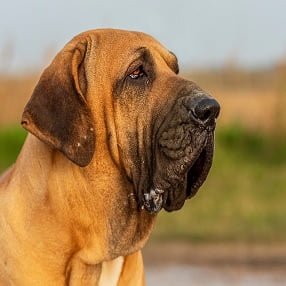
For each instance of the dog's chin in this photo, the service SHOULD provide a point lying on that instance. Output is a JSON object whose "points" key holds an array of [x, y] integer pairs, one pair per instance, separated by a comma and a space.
{"points": [[171, 194]]}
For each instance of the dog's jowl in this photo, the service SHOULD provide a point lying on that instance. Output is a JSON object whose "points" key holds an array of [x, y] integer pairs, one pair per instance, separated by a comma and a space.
{"points": [[115, 136]]}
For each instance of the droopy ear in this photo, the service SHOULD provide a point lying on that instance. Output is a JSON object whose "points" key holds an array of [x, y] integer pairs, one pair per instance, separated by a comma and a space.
{"points": [[57, 112]]}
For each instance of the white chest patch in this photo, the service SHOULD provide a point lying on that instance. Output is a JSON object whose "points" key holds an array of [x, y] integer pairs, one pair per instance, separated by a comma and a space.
{"points": [[111, 271]]}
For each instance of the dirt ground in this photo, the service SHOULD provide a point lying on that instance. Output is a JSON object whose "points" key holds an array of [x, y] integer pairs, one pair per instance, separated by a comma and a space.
{"points": [[215, 264]]}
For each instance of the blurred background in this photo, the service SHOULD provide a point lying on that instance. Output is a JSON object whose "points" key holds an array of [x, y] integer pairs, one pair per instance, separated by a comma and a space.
{"points": [[234, 231]]}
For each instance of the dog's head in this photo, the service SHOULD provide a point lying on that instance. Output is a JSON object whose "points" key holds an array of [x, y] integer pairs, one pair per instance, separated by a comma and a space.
{"points": [[119, 93]]}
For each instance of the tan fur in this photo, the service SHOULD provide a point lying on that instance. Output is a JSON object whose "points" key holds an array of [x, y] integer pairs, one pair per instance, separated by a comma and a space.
{"points": [[133, 271], [60, 224], [111, 272]]}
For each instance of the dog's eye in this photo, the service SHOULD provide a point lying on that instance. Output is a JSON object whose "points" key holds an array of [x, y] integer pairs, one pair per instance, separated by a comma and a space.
{"points": [[138, 73]]}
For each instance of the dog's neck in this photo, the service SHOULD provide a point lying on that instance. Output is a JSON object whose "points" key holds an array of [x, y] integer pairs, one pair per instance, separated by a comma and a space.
{"points": [[73, 211]]}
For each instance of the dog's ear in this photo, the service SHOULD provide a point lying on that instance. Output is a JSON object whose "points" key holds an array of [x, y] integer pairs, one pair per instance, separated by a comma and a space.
{"points": [[57, 112]]}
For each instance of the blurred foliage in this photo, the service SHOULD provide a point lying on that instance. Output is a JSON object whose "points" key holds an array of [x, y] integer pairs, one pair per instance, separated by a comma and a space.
{"points": [[243, 198], [11, 141], [251, 146], [232, 76]]}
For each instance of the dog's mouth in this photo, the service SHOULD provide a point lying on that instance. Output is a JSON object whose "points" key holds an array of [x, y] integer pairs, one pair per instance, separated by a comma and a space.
{"points": [[179, 173]]}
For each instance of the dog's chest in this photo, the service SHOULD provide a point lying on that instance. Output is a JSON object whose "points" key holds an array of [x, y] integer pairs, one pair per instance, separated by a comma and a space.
{"points": [[111, 271]]}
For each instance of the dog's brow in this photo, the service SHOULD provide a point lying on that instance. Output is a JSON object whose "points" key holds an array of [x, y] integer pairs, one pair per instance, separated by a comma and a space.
{"points": [[141, 52], [174, 62], [140, 49], [171, 59]]}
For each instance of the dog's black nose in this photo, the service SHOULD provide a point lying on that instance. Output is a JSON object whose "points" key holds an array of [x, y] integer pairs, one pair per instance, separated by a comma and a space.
{"points": [[205, 109]]}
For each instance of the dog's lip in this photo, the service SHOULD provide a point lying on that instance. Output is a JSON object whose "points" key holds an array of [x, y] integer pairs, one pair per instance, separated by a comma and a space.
{"points": [[196, 173], [153, 200], [199, 170]]}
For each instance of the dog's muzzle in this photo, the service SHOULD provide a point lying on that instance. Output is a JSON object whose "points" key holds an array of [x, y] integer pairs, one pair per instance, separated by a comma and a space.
{"points": [[183, 152]]}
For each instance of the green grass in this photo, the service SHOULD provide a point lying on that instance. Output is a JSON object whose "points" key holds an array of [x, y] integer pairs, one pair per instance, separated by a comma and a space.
{"points": [[243, 199], [11, 141]]}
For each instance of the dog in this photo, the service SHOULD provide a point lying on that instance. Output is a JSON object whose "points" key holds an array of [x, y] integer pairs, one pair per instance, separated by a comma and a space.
{"points": [[115, 135]]}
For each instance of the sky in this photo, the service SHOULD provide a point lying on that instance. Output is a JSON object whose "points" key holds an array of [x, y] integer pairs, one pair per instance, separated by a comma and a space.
{"points": [[202, 33]]}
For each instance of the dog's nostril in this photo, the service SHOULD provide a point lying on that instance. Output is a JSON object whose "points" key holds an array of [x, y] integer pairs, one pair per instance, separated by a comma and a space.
{"points": [[205, 109]]}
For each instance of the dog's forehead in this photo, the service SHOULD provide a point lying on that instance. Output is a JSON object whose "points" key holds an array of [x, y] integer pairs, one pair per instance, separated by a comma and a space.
{"points": [[123, 42], [123, 37]]}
